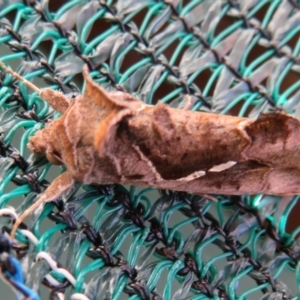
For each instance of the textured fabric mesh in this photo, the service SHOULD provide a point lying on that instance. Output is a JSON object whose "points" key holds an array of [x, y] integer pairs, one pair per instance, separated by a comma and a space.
{"points": [[237, 57]]}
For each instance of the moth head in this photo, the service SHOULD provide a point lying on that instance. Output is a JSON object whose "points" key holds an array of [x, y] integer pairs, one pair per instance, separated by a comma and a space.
{"points": [[43, 143]]}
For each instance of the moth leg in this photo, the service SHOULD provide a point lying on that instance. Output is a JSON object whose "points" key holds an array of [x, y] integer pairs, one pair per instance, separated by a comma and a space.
{"points": [[61, 185], [209, 197], [189, 103]]}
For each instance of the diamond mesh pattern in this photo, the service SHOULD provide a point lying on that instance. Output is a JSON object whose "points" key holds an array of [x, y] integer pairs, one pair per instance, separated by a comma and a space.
{"points": [[113, 242]]}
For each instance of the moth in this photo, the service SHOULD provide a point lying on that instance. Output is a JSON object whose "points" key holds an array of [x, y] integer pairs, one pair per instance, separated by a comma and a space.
{"points": [[112, 137]]}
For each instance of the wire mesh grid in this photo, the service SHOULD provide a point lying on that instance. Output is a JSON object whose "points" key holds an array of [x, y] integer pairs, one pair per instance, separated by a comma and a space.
{"points": [[114, 242]]}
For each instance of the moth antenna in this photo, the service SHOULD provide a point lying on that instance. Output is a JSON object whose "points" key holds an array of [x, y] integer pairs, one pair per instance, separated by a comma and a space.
{"points": [[19, 77]]}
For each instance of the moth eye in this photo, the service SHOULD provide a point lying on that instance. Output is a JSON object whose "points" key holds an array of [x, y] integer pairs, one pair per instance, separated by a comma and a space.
{"points": [[73, 96], [54, 158]]}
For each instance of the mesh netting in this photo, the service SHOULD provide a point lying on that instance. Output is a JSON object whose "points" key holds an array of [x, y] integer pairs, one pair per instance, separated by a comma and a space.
{"points": [[114, 242]]}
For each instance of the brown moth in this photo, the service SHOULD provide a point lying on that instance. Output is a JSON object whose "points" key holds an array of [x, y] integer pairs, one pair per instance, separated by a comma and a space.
{"points": [[111, 137]]}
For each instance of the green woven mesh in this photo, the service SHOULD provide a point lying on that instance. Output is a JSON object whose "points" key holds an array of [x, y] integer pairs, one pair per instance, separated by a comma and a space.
{"points": [[238, 57]]}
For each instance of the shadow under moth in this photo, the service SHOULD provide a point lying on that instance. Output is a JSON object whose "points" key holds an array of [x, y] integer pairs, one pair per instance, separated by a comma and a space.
{"points": [[111, 137]]}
